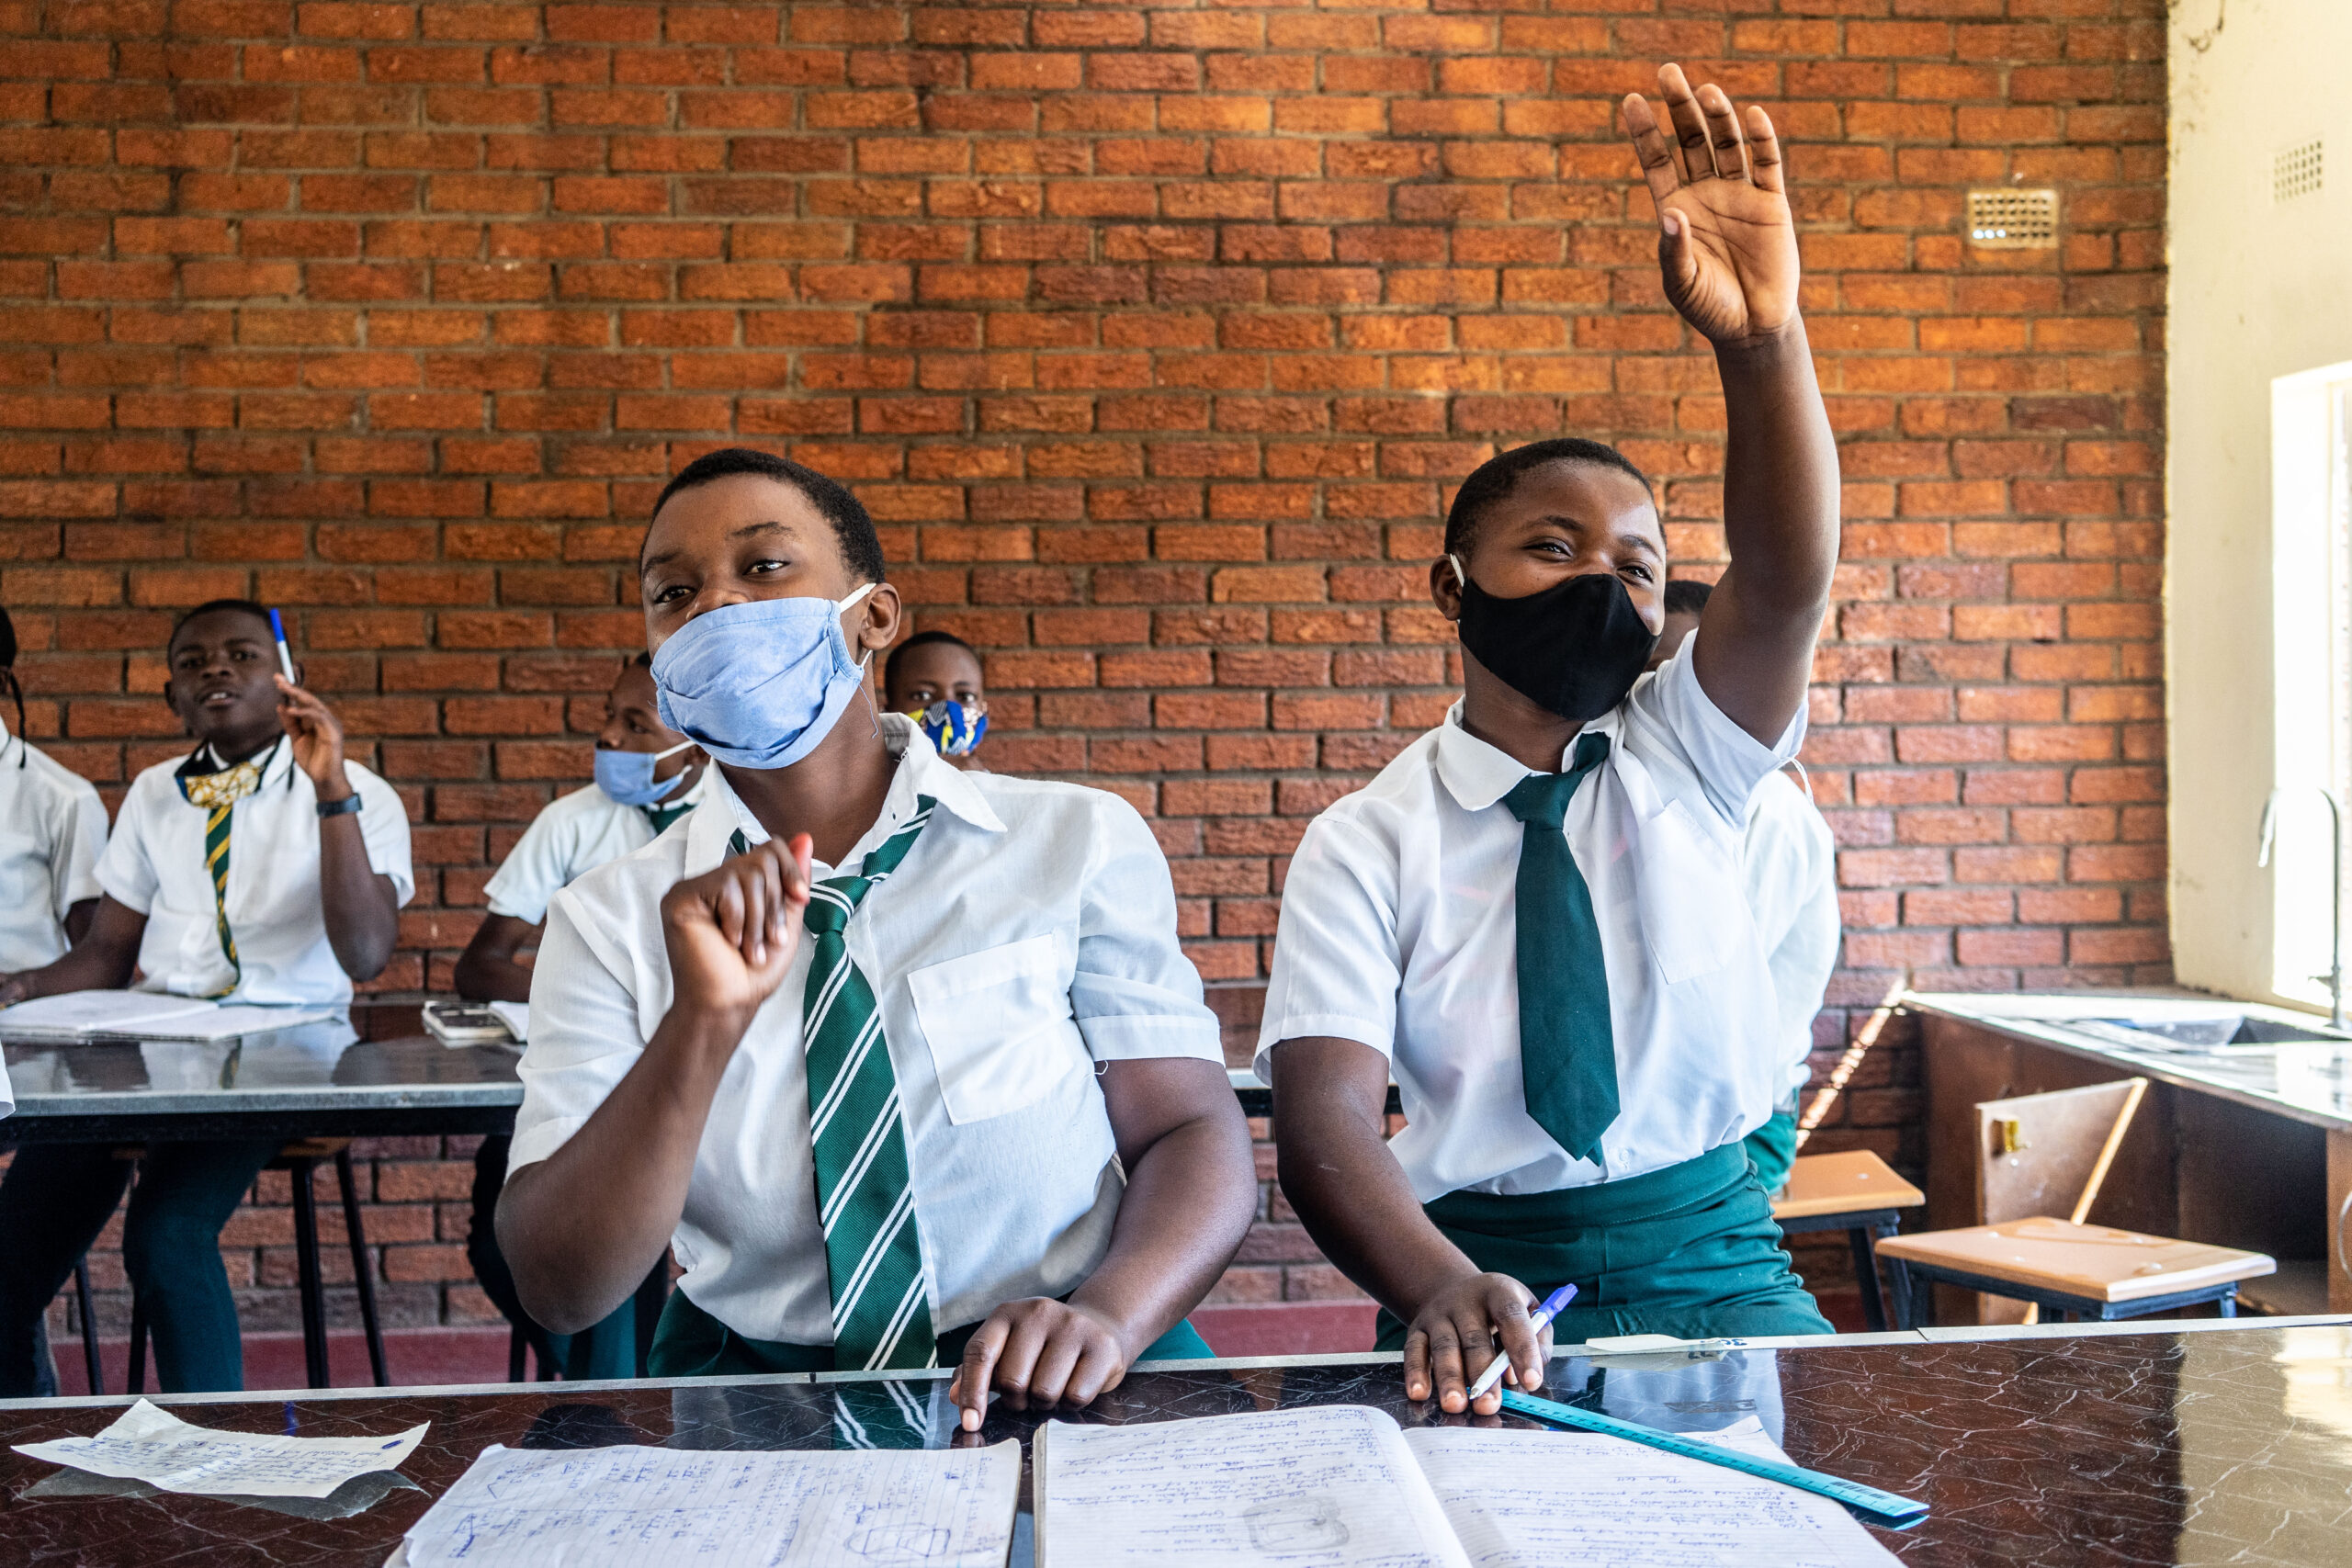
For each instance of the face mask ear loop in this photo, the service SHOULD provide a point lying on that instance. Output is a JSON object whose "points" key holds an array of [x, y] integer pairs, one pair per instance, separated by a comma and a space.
{"points": [[1460, 576], [16, 690]]}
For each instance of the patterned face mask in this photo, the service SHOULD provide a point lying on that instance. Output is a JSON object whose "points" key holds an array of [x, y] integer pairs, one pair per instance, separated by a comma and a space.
{"points": [[954, 727]]}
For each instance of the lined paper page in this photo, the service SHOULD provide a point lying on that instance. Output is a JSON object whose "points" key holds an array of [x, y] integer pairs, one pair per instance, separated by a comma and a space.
{"points": [[633, 1508], [1334, 1487], [1523, 1499], [149, 1444]]}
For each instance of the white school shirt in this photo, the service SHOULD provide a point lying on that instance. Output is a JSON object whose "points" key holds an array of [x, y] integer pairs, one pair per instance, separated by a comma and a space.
{"points": [[52, 826], [576, 833], [154, 865], [1028, 937], [1399, 930], [1791, 865]]}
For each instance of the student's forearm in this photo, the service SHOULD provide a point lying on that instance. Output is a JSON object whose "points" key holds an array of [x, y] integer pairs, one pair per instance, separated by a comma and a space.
{"points": [[1780, 495], [360, 905], [91, 966], [1189, 1202], [1336, 1169], [486, 971], [574, 1261]]}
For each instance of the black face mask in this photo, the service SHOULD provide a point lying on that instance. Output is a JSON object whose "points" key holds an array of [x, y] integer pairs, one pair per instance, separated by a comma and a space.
{"points": [[1576, 647]]}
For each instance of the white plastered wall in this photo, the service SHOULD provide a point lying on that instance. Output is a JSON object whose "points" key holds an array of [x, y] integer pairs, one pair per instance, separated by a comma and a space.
{"points": [[2259, 290]]}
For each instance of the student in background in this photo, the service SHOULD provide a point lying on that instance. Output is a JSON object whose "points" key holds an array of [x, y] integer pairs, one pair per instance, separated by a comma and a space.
{"points": [[1535, 917], [908, 1060], [1790, 862], [648, 775], [52, 826], [933, 678], [262, 868]]}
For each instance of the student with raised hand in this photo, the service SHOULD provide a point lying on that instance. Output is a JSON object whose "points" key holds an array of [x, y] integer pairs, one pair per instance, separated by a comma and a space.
{"points": [[1534, 917], [935, 679], [647, 776], [262, 868], [906, 1060], [1788, 864]]}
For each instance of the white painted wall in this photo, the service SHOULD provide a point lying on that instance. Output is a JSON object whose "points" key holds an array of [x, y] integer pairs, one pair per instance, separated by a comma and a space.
{"points": [[2259, 290]]}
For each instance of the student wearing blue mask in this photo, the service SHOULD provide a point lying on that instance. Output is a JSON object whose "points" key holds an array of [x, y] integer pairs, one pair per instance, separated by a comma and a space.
{"points": [[1534, 918], [647, 776], [904, 1062]]}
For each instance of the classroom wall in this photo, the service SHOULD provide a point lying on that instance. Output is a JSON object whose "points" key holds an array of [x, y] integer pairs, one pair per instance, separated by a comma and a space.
{"points": [[2259, 290], [1154, 335]]}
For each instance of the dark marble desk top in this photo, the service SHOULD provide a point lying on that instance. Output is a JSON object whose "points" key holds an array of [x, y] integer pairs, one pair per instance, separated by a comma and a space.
{"points": [[2170, 1445], [320, 1067]]}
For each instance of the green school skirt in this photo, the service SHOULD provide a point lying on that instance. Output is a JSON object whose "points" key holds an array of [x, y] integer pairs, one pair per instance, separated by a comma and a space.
{"points": [[1690, 1250], [690, 1343], [1771, 1149]]}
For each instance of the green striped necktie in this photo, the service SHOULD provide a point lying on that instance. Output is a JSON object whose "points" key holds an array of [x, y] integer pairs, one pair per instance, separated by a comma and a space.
{"points": [[864, 1196], [217, 793], [1567, 1049]]}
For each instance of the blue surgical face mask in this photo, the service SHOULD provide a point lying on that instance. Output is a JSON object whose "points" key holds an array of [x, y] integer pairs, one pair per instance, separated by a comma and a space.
{"points": [[628, 776], [759, 685]]}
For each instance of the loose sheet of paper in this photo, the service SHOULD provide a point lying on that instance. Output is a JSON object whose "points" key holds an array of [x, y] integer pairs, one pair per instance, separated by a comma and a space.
{"points": [[1334, 1487], [628, 1507], [1523, 1499], [71, 1014], [222, 1022], [151, 1445]]}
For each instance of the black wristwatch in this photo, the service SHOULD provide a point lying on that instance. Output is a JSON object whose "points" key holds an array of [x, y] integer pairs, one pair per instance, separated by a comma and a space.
{"points": [[349, 803]]}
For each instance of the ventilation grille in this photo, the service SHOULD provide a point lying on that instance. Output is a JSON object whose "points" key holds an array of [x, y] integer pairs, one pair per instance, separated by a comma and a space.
{"points": [[2296, 171], [2013, 220]]}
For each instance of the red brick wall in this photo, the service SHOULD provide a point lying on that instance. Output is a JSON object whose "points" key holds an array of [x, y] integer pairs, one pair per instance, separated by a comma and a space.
{"points": [[1155, 336]]}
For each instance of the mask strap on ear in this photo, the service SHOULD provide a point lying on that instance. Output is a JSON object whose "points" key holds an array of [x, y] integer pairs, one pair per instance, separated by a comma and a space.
{"points": [[1460, 576], [1805, 782]]}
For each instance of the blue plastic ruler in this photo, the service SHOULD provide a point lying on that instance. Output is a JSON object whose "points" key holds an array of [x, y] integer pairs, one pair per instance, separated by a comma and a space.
{"points": [[1886, 1506]]}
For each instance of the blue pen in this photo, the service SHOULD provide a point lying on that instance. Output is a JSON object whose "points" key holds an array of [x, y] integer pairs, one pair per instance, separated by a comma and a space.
{"points": [[1539, 1317], [285, 659]]}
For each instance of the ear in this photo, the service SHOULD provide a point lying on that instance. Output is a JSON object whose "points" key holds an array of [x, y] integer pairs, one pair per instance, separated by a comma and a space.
{"points": [[1446, 588], [298, 672], [884, 613]]}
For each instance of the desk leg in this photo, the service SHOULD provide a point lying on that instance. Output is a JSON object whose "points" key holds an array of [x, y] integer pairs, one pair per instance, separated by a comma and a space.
{"points": [[1866, 1276], [2339, 1225], [306, 1262]]}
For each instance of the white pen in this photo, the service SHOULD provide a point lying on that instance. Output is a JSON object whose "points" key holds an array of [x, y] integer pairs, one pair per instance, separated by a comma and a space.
{"points": [[1539, 1317]]}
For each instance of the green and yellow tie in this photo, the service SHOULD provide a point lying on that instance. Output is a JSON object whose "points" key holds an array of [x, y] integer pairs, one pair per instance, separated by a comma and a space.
{"points": [[217, 793], [864, 1196], [1567, 1047]]}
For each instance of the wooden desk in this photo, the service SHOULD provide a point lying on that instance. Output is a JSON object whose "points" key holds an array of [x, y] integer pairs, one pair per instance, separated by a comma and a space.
{"points": [[2246, 1145], [2031, 1446]]}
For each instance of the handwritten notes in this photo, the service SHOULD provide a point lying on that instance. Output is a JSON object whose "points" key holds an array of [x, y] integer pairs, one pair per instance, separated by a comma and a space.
{"points": [[1564, 1498], [150, 1445], [1334, 1487], [626, 1507]]}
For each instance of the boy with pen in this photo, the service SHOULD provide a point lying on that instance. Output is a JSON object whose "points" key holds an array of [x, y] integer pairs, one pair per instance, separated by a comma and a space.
{"points": [[1535, 917], [262, 868]]}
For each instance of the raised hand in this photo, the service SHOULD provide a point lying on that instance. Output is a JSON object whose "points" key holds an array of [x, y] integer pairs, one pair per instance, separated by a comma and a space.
{"points": [[316, 736], [732, 932], [1727, 243]]}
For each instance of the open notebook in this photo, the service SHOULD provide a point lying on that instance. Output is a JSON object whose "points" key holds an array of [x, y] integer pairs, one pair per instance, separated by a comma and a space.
{"points": [[1342, 1486], [143, 1015]]}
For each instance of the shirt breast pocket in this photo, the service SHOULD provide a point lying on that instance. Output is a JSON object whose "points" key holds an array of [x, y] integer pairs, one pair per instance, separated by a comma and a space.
{"points": [[999, 1025], [1694, 906]]}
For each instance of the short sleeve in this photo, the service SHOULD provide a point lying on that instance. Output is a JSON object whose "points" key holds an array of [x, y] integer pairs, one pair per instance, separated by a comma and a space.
{"points": [[383, 824], [1337, 965], [584, 1039], [82, 838], [126, 869], [1135, 994], [1672, 708], [534, 870]]}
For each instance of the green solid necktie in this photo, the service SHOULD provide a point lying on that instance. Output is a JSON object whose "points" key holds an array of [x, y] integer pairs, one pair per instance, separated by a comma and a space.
{"points": [[1567, 1052], [857, 1132]]}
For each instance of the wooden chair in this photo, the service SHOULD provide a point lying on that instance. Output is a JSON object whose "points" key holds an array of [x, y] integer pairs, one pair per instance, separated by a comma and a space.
{"points": [[2037, 1149], [1858, 1193], [300, 1159]]}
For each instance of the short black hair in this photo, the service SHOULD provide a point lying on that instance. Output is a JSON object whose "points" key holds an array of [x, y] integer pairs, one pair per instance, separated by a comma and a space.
{"points": [[7, 641], [853, 525], [1687, 595], [642, 661], [890, 665], [1495, 477], [217, 607]]}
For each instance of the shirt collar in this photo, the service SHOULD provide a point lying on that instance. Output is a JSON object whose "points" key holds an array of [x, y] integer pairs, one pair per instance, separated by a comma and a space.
{"points": [[277, 759], [1478, 773], [921, 771]]}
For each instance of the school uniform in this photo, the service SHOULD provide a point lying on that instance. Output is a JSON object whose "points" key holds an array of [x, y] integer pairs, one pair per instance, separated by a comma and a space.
{"points": [[1400, 928], [224, 864], [575, 834], [1790, 864], [52, 827], [985, 947]]}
